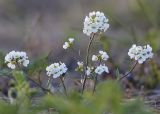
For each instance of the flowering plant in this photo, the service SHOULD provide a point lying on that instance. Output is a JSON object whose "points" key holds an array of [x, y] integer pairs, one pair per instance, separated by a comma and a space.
{"points": [[15, 58], [94, 25], [93, 66]]}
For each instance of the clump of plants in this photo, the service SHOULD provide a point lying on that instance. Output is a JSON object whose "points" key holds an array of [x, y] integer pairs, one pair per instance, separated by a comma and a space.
{"points": [[106, 96]]}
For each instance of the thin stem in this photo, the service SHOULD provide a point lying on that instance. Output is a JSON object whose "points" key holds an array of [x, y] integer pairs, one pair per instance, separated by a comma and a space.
{"points": [[65, 90], [38, 84], [87, 60], [44, 89], [48, 82], [95, 81], [129, 71], [79, 56], [39, 77]]}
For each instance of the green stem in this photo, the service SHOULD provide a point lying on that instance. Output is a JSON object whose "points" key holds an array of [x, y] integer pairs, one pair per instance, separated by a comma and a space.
{"points": [[95, 81], [44, 89], [87, 60], [129, 71], [37, 84], [39, 77], [49, 80], [65, 90]]}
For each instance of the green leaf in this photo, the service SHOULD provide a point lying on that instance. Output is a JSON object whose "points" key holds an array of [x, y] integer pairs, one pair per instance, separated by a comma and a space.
{"points": [[117, 74], [136, 107], [19, 76], [6, 108]]}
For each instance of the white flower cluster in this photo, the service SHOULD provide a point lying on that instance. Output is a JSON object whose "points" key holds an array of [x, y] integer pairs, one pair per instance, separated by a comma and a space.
{"points": [[89, 70], [68, 44], [80, 66], [56, 69], [16, 58], [95, 22], [101, 68], [140, 53], [101, 56], [98, 70]]}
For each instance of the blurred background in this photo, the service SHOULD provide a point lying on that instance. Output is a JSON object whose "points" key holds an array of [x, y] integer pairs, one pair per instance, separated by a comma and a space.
{"points": [[41, 26]]}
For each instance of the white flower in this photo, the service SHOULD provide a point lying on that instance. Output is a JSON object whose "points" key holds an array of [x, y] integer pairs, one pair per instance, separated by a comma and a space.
{"points": [[148, 51], [12, 66], [132, 51], [62, 68], [25, 63], [89, 70], [16, 58], [101, 68], [95, 22], [103, 55], [68, 44], [94, 58], [56, 69], [80, 66], [71, 40], [140, 58], [139, 53]]}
